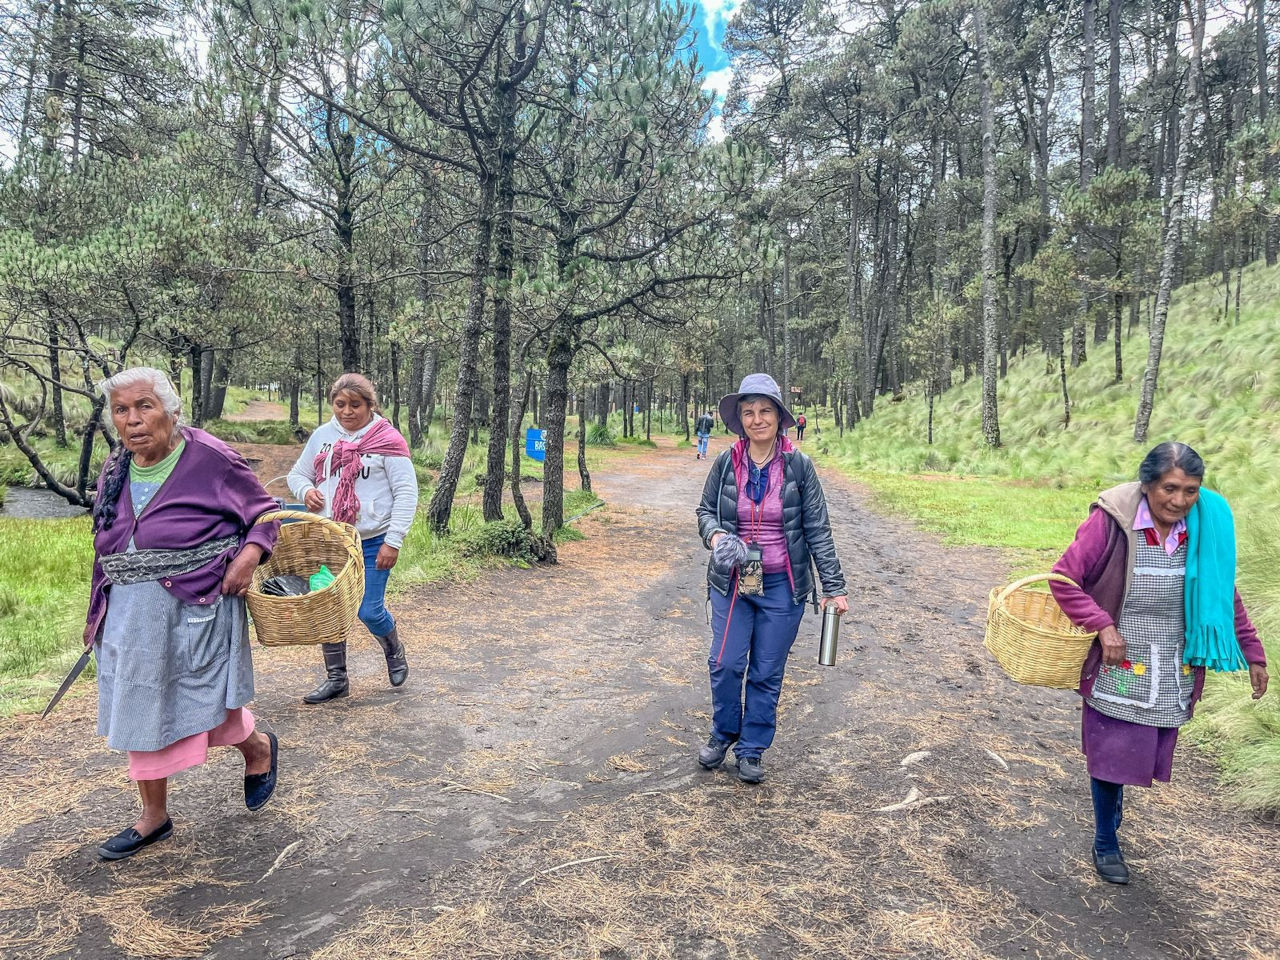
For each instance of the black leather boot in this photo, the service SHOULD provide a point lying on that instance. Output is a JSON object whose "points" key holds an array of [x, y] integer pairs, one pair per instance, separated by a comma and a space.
{"points": [[397, 665], [335, 681]]}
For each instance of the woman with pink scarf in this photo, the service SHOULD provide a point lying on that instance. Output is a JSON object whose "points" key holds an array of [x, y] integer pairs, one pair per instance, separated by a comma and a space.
{"points": [[356, 469]]}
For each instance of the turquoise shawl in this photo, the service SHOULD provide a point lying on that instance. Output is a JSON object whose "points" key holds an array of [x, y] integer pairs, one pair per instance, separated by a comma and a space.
{"points": [[1211, 586]]}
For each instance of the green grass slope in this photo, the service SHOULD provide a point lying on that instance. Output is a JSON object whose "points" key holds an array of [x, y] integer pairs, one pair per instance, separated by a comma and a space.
{"points": [[1219, 391]]}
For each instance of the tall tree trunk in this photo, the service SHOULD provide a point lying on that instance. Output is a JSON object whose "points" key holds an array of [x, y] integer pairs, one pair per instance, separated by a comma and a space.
{"points": [[559, 357], [602, 405], [786, 316], [223, 359], [648, 410], [93, 424], [684, 404], [1172, 228], [417, 363], [295, 386], [348, 322], [990, 414], [584, 475], [517, 420], [504, 240], [1271, 222], [440, 509], [395, 384], [55, 383], [1062, 377], [430, 372], [1088, 149], [422, 365], [1117, 306], [1115, 122]]}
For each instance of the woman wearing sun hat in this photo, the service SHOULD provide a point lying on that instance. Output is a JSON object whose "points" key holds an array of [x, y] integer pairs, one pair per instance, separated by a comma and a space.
{"points": [[764, 518]]}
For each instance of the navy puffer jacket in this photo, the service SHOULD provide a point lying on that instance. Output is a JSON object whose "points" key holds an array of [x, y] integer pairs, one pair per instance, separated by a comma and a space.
{"points": [[805, 524]]}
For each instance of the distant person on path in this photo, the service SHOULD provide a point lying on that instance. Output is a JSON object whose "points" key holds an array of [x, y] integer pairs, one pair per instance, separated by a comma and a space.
{"points": [[1155, 562], [706, 423], [764, 518], [175, 546], [800, 422], [356, 469]]}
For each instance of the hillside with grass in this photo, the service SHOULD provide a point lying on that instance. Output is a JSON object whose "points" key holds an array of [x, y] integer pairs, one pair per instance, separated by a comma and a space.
{"points": [[1219, 391]]}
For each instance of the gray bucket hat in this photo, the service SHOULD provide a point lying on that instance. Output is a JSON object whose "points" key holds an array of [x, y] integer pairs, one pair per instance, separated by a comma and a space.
{"points": [[755, 384]]}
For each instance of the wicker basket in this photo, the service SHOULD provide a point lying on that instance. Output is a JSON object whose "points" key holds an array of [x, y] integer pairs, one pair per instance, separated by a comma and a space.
{"points": [[322, 616], [1031, 637]]}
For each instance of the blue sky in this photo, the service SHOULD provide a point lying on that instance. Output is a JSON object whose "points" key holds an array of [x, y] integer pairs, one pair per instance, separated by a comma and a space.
{"points": [[708, 25]]}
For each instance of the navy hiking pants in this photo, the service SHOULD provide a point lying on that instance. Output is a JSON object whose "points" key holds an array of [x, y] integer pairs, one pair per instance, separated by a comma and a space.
{"points": [[751, 641]]}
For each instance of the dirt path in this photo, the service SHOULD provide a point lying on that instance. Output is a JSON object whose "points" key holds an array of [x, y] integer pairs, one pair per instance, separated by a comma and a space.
{"points": [[261, 410], [532, 791]]}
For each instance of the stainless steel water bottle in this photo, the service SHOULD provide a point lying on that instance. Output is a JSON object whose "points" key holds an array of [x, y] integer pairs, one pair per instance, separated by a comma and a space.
{"points": [[830, 636]]}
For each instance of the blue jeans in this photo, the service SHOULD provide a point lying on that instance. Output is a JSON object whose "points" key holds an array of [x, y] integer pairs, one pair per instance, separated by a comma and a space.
{"points": [[754, 643], [703, 438], [373, 607]]}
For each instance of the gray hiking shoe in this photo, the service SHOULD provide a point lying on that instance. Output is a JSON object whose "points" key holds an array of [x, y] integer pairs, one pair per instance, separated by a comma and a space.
{"points": [[712, 754], [749, 770]]}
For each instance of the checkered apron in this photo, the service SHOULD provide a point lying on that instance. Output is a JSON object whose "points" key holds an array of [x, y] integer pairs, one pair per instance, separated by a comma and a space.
{"points": [[1152, 687]]}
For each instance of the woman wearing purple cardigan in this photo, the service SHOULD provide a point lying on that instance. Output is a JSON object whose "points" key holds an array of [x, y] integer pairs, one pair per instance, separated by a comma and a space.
{"points": [[175, 545], [1155, 564]]}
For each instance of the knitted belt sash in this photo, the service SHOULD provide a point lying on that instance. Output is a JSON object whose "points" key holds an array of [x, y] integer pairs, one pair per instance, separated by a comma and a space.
{"points": [[140, 566]]}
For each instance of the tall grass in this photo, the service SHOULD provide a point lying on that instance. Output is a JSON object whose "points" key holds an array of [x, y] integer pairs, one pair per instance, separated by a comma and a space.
{"points": [[1219, 391], [44, 592]]}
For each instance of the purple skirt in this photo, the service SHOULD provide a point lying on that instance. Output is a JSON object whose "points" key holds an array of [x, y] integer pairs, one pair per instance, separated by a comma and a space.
{"points": [[1122, 752]]}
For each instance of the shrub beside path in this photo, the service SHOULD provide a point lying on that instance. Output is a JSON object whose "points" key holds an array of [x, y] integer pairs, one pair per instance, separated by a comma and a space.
{"points": [[532, 791]]}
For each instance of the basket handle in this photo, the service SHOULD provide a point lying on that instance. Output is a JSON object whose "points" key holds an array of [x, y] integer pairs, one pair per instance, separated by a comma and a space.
{"points": [[1034, 578], [345, 529]]}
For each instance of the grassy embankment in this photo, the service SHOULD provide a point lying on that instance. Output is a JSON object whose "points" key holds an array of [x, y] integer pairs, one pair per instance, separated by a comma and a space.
{"points": [[45, 565], [1219, 391]]}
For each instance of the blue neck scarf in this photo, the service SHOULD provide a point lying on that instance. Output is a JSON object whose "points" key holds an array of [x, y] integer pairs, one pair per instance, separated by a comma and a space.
{"points": [[1210, 586], [758, 479]]}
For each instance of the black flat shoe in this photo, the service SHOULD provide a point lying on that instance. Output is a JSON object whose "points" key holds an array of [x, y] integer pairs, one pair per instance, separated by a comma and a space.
{"points": [[1111, 867], [258, 787], [128, 842]]}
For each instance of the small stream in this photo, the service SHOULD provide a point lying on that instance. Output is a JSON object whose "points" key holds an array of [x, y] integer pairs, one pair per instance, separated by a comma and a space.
{"points": [[32, 504]]}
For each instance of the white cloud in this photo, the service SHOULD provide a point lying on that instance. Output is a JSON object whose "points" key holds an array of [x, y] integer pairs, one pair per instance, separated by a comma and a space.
{"points": [[714, 12], [715, 129], [717, 81]]}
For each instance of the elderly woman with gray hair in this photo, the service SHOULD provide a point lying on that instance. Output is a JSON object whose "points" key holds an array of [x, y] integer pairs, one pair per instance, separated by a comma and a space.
{"points": [[1153, 571], [764, 518], [175, 546]]}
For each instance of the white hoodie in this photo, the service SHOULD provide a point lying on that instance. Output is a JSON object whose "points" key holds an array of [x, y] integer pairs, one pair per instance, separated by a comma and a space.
{"points": [[387, 487]]}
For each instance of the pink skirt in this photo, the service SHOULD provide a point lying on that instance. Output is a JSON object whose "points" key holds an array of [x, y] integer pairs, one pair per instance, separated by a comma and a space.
{"points": [[190, 751]]}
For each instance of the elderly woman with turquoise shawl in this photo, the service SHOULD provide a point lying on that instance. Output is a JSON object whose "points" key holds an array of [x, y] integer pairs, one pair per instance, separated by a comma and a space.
{"points": [[1156, 567]]}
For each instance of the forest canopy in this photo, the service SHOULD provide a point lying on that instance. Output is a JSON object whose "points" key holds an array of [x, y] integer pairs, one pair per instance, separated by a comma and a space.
{"points": [[501, 209]]}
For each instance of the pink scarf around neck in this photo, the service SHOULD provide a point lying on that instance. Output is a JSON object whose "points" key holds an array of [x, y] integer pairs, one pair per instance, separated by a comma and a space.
{"points": [[344, 463]]}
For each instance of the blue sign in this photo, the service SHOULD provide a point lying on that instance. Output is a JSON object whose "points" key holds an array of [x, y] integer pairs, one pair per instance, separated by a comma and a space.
{"points": [[535, 448]]}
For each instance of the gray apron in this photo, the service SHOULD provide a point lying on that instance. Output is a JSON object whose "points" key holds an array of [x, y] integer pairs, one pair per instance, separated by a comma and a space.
{"points": [[167, 669]]}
